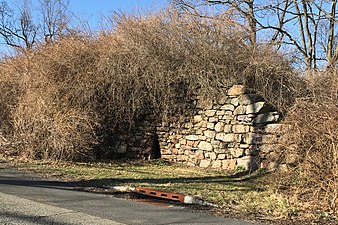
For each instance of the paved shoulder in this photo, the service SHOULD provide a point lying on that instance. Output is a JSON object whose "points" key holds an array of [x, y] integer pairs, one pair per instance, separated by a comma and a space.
{"points": [[15, 210], [58, 203]]}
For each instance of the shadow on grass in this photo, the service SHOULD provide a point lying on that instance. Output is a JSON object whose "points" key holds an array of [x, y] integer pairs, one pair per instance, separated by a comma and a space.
{"points": [[238, 182]]}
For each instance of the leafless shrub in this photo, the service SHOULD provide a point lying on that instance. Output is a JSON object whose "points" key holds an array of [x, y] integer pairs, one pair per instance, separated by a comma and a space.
{"points": [[312, 144], [74, 92]]}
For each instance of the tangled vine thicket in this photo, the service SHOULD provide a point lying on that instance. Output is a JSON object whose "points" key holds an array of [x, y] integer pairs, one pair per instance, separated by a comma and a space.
{"points": [[62, 98]]}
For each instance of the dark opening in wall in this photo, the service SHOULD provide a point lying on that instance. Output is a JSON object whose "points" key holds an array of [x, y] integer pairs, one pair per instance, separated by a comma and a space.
{"points": [[155, 148]]}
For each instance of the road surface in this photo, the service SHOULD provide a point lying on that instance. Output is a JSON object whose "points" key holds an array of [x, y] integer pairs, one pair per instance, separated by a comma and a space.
{"points": [[25, 198]]}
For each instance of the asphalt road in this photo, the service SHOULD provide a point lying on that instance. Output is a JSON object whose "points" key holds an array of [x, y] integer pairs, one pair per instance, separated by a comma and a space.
{"points": [[25, 198]]}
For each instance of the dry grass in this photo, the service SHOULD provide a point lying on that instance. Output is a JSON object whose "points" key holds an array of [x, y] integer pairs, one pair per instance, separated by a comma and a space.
{"points": [[312, 146], [244, 194]]}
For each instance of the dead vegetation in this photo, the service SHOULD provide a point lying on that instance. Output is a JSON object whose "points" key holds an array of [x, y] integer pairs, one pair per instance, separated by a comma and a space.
{"points": [[69, 95], [311, 146]]}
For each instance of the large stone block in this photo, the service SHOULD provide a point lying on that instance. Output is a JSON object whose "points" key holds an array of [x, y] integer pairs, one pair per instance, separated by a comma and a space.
{"points": [[204, 145], [226, 137], [205, 163], [217, 164], [205, 104], [210, 134], [236, 90], [219, 126], [228, 107], [229, 164], [240, 110], [248, 162], [192, 137], [236, 152], [240, 128], [248, 99]]}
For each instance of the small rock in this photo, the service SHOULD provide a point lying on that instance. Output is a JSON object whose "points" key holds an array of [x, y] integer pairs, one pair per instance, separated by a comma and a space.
{"points": [[210, 112], [192, 137], [228, 107]]}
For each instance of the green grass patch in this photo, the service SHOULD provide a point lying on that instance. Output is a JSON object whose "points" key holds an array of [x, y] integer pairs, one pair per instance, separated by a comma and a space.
{"points": [[248, 193]]}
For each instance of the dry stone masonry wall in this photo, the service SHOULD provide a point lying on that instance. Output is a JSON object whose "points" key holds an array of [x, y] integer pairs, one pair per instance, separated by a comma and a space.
{"points": [[238, 131]]}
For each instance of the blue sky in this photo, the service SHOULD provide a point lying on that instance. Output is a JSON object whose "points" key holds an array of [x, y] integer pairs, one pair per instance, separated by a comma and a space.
{"points": [[94, 10]]}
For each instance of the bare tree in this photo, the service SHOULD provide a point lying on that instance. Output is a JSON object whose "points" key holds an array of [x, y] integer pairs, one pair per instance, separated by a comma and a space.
{"points": [[55, 19], [294, 23], [18, 31], [21, 31]]}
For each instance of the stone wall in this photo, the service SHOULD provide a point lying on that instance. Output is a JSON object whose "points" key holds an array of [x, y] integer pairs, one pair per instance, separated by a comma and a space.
{"points": [[238, 131]]}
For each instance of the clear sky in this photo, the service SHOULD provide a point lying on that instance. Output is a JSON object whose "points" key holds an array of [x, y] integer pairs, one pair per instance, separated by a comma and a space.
{"points": [[94, 10]]}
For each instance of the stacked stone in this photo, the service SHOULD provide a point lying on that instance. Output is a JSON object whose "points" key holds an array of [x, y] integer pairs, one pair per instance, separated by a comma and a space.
{"points": [[236, 131]]}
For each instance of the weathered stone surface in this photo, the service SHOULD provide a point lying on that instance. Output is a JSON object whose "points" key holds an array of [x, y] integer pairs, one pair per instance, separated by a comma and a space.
{"points": [[220, 113], [236, 152], [228, 107], [203, 145], [213, 155], [247, 162], [239, 128], [225, 137], [255, 107], [217, 164], [188, 125], [229, 164], [213, 119], [236, 90], [210, 112], [205, 163], [235, 101], [265, 118], [219, 126], [210, 126], [210, 134], [252, 138], [240, 110], [202, 137], [191, 164], [204, 104], [199, 155], [182, 158], [222, 100], [227, 128], [221, 156], [244, 146], [192, 137], [248, 99], [244, 118], [197, 119]]}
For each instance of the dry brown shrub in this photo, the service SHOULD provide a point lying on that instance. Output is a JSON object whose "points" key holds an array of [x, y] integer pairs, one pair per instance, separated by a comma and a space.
{"points": [[311, 144], [74, 94]]}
